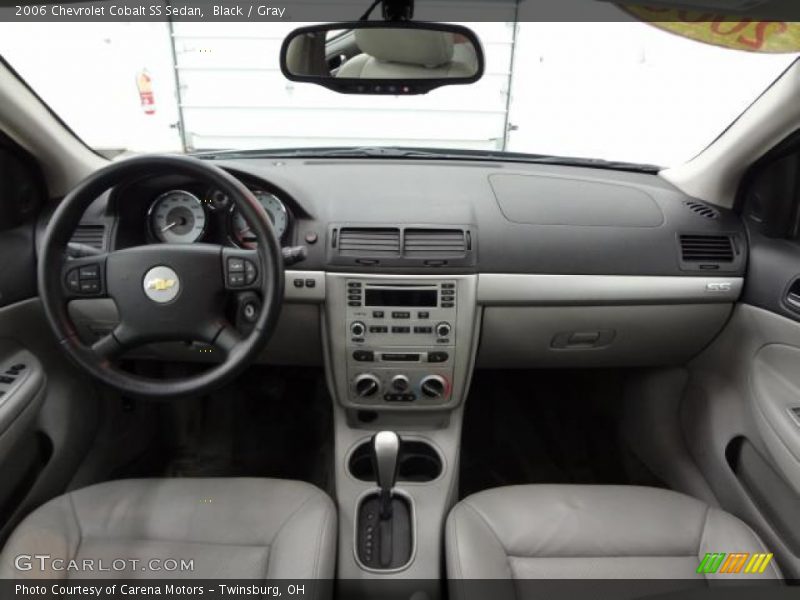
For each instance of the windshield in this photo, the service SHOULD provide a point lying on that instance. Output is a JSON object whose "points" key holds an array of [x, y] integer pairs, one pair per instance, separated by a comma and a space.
{"points": [[616, 91]]}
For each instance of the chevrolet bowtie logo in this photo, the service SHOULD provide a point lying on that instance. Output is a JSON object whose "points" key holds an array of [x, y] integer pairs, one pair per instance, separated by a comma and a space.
{"points": [[160, 284]]}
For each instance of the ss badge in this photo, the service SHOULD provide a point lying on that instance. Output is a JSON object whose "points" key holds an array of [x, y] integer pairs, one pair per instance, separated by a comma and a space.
{"points": [[719, 286]]}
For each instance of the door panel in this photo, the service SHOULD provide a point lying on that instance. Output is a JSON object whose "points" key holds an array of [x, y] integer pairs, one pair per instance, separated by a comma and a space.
{"points": [[736, 398], [776, 395], [48, 410], [738, 411], [22, 385]]}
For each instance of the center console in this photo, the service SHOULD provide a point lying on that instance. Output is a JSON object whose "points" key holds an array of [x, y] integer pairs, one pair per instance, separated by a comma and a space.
{"points": [[399, 352], [401, 340]]}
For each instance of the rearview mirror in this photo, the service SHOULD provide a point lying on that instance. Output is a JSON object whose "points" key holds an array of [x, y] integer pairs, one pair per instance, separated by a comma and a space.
{"points": [[376, 57]]}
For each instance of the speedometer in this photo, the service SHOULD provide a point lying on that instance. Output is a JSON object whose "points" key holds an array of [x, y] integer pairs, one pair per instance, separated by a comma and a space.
{"points": [[278, 215], [177, 217]]}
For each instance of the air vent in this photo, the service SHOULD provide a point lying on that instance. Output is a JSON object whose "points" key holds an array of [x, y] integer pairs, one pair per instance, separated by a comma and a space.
{"points": [[434, 243], [704, 210], [90, 235], [369, 242], [706, 248]]}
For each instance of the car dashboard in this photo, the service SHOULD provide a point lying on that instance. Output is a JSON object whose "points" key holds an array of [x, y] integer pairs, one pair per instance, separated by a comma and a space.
{"points": [[417, 271]]}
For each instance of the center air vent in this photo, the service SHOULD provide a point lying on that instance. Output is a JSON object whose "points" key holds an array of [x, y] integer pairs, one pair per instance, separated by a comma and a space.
{"points": [[704, 210], [434, 243], [371, 242], [712, 249]]}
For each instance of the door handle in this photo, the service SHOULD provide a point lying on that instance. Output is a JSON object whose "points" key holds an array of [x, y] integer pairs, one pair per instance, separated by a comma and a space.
{"points": [[792, 297]]}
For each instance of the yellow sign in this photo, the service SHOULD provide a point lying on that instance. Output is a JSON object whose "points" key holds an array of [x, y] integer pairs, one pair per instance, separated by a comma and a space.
{"points": [[160, 284], [774, 37]]}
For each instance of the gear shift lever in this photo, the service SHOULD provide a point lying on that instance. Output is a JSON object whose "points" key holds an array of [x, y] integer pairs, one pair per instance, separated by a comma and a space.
{"points": [[386, 447]]}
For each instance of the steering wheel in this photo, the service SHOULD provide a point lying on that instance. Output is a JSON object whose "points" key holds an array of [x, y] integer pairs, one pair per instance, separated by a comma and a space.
{"points": [[163, 292]]}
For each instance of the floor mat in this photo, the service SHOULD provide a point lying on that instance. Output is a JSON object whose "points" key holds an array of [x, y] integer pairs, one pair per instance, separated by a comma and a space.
{"points": [[545, 427], [271, 422]]}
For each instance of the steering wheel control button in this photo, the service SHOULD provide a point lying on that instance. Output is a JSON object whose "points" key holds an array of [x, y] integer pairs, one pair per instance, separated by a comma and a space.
{"points": [[235, 265], [89, 272], [84, 280], [250, 312], [73, 281], [161, 284], [250, 273], [91, 286]]}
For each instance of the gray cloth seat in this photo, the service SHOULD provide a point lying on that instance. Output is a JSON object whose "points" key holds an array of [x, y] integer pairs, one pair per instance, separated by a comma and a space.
{"points": [[588, 532], [230, 528]]}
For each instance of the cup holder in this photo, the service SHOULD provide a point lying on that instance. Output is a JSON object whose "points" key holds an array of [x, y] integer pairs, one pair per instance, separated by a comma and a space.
{"points": [[418, 462]]}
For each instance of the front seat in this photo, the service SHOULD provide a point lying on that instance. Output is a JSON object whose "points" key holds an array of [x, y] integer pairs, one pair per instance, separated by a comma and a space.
{"points": [[406, 54], [587, 532], [229, 528]]}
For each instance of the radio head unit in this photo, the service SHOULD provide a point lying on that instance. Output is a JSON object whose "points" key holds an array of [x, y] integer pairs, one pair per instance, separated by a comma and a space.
{"points": [[400, 340]]}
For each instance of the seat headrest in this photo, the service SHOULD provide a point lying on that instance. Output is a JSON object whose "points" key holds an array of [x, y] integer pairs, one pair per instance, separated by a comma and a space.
{"points": [[425, 48]]}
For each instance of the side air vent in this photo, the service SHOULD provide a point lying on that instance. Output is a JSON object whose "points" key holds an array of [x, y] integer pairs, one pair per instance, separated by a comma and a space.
{"points": [[434, 243], [90, 235], [706, 249], [369, 242], [703, 210]]}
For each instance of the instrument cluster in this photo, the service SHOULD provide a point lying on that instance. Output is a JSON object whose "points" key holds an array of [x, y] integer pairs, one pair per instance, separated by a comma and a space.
{"points": [[180, 216]]}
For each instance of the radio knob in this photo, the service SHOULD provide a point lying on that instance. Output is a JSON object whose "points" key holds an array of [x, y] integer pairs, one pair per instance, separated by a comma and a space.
{"points": [[358, 329], [433, 386], [400, 383], [367, 385], [443, 329]]}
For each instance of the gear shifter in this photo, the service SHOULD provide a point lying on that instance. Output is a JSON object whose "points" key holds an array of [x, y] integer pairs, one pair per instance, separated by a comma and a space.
{"points": [[384, 524], [386, 448]]}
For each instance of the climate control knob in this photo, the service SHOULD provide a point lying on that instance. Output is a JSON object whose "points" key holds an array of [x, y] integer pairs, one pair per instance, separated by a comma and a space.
{"points": [[433, 386], [358, 329], [443, 329], [367, 385], [400, 383]]}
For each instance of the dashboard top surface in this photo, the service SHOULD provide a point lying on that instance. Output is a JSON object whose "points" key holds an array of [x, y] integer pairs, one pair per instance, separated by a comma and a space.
{"points": [[522, 218]]}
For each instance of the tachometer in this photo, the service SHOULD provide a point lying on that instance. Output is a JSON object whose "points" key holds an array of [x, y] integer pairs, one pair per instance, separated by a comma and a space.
{"points": [[277, 212], [177, 217]]}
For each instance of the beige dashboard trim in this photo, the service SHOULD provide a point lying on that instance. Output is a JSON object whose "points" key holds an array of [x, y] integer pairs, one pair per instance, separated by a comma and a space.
{"points": [[521, 289]]}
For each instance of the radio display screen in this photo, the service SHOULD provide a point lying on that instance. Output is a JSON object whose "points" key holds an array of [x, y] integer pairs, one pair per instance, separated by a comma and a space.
{"points": [[395, 297]]}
